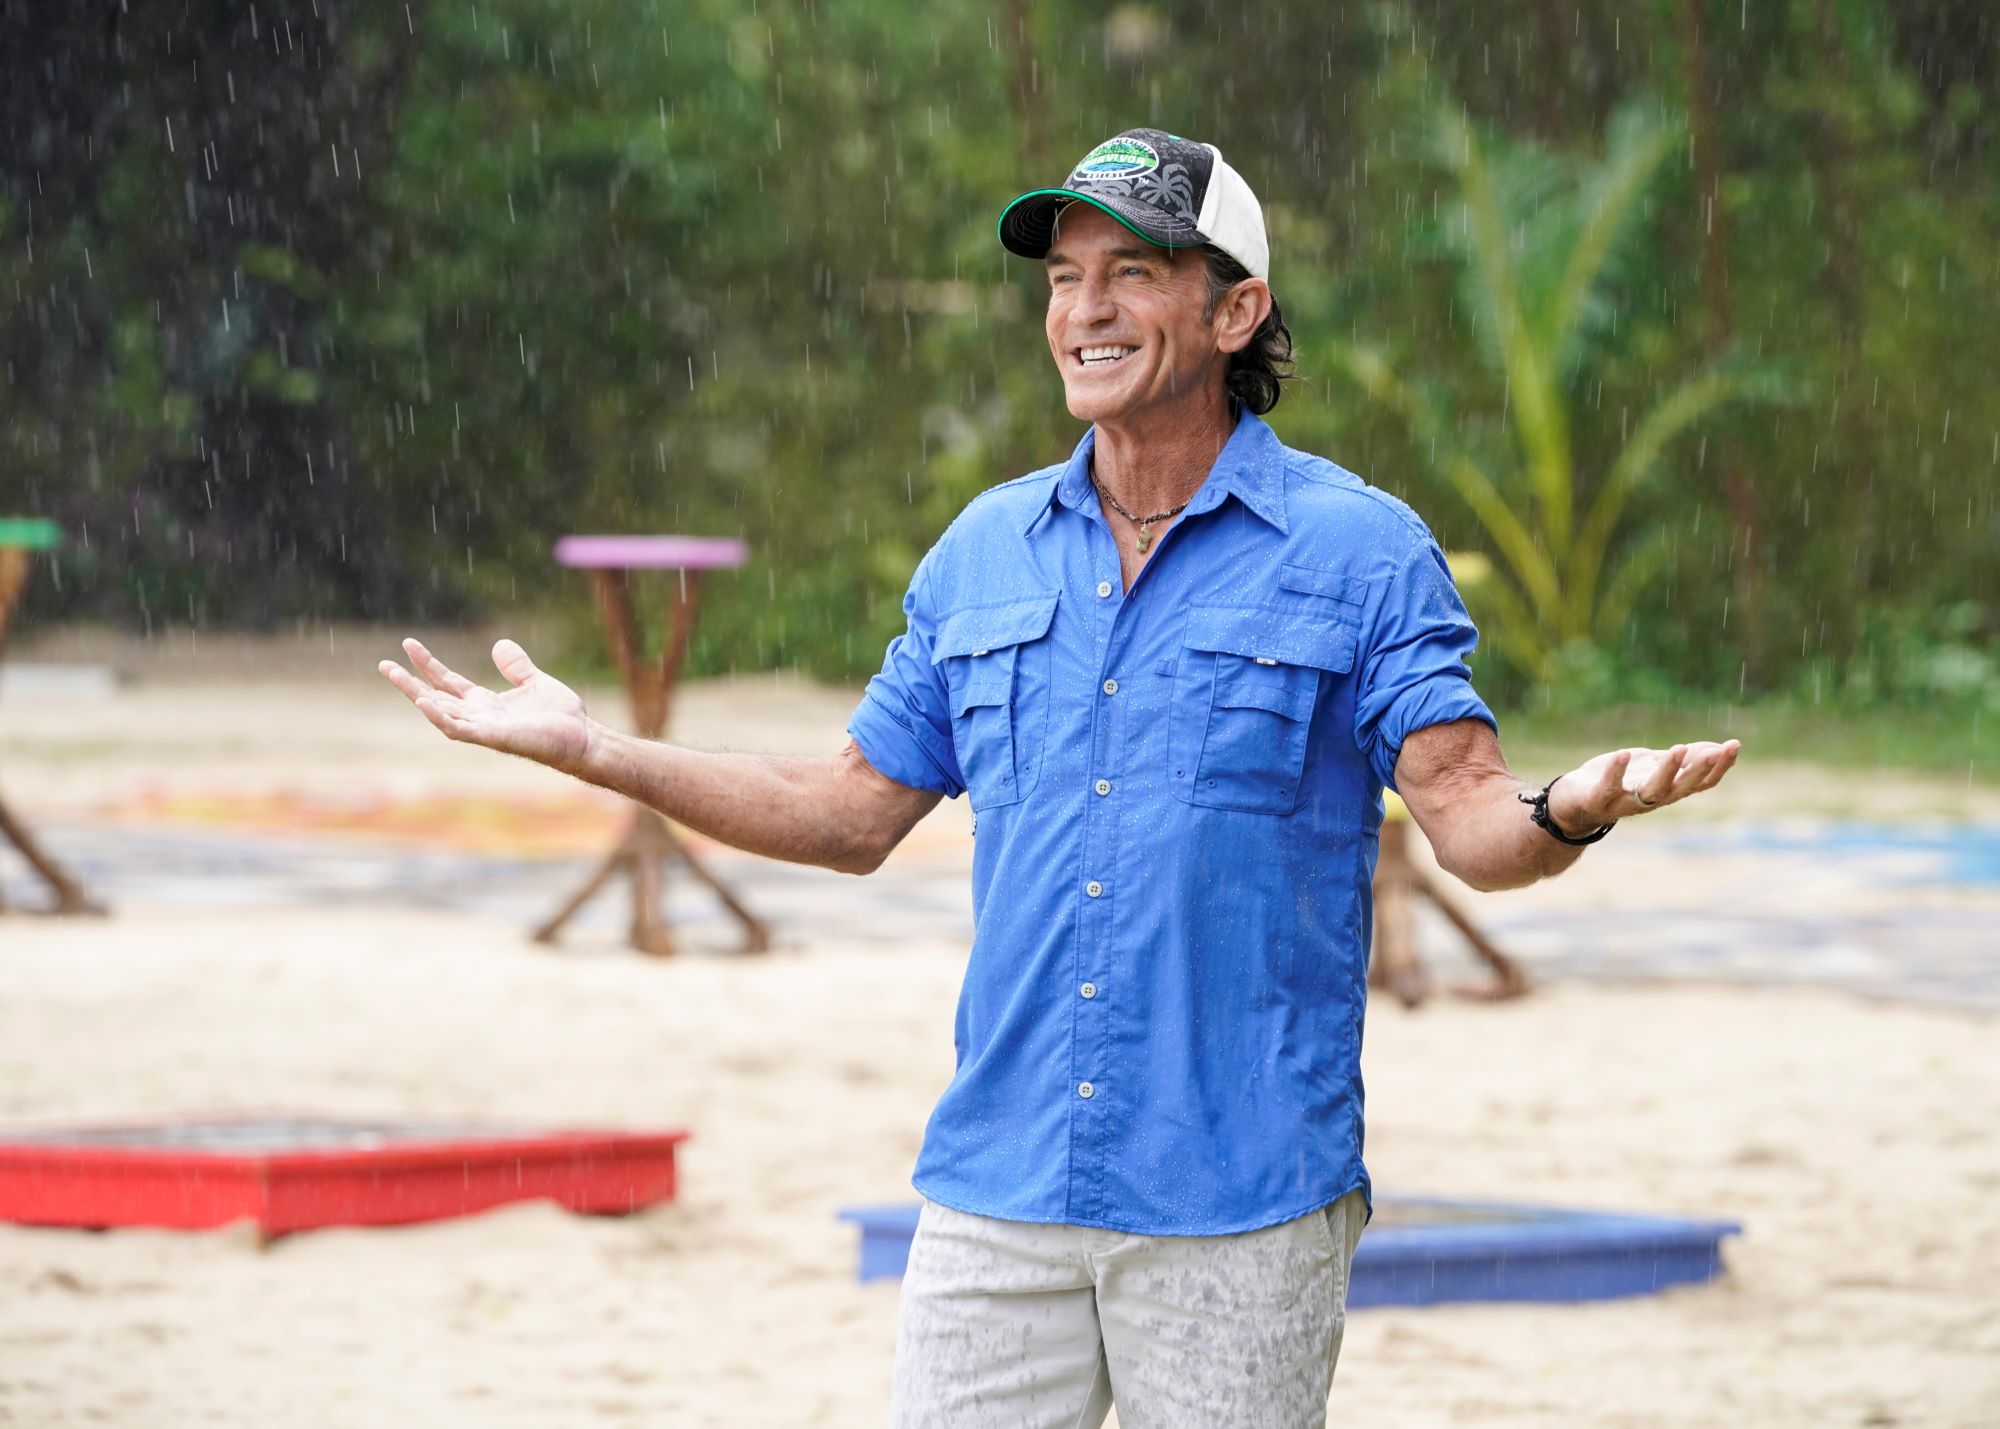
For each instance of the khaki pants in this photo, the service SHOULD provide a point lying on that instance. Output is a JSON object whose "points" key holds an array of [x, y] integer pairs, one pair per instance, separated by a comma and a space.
{"points": [[1019, 1326]]}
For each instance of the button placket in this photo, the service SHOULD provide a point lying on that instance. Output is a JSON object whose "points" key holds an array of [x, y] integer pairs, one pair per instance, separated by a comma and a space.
{"points": [[1097, 924]]}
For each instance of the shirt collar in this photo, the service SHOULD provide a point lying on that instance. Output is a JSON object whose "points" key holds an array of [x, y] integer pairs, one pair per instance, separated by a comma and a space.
{"points": [[1250, 467]]}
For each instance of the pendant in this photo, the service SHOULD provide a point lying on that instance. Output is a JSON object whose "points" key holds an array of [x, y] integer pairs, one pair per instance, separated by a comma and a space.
{"points": [[1145, 538]]}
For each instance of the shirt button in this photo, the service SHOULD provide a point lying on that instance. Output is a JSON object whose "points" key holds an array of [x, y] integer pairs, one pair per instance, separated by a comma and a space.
{"points": [[1110, 687], [1093, 888], [1103, 589], [1089, 990], [1086, 1090], [1103, 786]]}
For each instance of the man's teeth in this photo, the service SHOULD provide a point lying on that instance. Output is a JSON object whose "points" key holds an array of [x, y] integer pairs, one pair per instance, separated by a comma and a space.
{"points": [[1093, 355]]}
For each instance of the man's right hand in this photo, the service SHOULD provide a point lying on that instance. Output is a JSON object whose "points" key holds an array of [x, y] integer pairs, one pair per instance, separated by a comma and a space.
{"points": [[835, 810], [540, 718]]}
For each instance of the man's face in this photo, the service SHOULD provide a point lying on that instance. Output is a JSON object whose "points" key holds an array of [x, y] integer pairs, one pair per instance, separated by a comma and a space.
{"points": [[1125, 320]]}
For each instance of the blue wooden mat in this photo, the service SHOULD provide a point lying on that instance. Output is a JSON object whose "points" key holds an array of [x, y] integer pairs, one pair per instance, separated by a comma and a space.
{"points": [[1430, 1251]]}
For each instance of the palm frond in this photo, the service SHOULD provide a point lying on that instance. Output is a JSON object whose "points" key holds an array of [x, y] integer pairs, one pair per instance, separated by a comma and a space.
{"points": [[1639, 143], [1539, 420], [1665, 420], [1635, 572], [1526, 560]]}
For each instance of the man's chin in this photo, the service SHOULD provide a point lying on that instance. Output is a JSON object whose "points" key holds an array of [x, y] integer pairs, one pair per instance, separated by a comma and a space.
{"points": [[1090, 406]]}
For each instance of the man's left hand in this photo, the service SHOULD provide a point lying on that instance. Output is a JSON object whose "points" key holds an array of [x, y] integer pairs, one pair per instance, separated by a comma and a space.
{"points": [[1627, 782]]}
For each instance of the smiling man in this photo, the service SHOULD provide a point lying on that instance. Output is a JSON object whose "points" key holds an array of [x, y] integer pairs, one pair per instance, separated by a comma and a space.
{"points": [[1173, 675]]}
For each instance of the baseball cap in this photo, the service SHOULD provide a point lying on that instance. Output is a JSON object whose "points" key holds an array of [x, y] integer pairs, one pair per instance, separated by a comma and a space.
{"points": [[1171, 191]]}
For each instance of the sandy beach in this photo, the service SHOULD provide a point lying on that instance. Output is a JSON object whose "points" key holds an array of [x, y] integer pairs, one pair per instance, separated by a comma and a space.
{"points": [[1852, 1136]]}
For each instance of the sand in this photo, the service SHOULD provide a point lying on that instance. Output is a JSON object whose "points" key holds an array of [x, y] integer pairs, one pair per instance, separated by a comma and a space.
{"points": [[1854, 1139]]}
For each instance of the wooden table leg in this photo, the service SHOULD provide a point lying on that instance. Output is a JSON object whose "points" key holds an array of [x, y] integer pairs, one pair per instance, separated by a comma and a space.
{"points": [[1395, 963], [615, 862], [70, 897], [614, 605], [653, 844], [1510, 980], [13, 580], [650, 845], [756, 933], [673, 653], [673, 656]]}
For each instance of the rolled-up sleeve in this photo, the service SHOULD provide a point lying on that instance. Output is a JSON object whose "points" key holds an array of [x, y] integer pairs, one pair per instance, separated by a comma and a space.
{"points": [[903, 723], [1413, 671]]}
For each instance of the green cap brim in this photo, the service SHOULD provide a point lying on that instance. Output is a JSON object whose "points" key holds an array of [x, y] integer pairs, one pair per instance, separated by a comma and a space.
{"points": [[1029, 242]]}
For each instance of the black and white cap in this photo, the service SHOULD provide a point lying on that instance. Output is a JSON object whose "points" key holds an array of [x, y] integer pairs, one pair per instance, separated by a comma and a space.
{"points": [[1170, 191]]}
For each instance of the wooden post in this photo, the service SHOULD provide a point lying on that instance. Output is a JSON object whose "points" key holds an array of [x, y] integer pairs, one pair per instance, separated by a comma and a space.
{"points": [[1397, 965], [1395, 962], [18, 542], [13, 580], [649, 844], [70, 897]]}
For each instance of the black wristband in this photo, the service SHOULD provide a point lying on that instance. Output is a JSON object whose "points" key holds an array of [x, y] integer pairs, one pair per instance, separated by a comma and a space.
{"points": [[1539, 812]]}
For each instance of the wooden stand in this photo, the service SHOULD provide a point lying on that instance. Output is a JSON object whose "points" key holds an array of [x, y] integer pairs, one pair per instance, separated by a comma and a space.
{"points": [[18, 541], [1396, 964], [70, 897], [650, 845]]}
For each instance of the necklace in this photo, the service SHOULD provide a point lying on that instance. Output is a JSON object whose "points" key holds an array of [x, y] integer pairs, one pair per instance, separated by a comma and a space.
{"points": [[1144, 523]]}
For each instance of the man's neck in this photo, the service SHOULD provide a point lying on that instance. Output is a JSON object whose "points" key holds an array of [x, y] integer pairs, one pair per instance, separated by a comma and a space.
{"points": [[1159, 462]]}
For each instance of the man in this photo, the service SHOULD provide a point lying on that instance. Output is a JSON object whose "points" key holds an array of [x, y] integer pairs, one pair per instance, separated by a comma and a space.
{"points": [[1173, 674]]}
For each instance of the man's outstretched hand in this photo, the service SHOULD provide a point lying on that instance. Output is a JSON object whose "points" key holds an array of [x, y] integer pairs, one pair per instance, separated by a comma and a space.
{"points": [[538, 718], [1627, 782]]}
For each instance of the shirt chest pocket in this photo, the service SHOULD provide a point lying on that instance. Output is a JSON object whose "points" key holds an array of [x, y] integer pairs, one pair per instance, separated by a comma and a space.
{"points": [[995, 662], [1245, 690]]}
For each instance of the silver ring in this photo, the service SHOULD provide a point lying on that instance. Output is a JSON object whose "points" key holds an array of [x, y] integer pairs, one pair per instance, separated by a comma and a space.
{"points": [[1643, 801]]}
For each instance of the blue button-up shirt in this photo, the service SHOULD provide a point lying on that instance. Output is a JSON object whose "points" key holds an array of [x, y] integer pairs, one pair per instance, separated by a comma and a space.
{"points": [[1177, 791]]}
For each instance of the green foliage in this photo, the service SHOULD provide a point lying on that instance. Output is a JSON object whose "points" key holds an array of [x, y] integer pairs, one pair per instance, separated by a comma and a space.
{"points": [[379, 325], [1535, 242], [1939, 660]]}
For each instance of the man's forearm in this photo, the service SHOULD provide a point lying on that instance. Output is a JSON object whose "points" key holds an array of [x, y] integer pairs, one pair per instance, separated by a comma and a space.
{"points": [[1467, 802], [803, 809], [1494, 844]]}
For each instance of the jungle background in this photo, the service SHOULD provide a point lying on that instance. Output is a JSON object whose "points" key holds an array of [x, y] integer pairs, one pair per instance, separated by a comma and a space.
{"points": [[1676, 320]]}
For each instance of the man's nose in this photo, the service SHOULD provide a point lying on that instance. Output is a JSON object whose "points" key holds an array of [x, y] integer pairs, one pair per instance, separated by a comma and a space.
{"points": [[1094, 305]]}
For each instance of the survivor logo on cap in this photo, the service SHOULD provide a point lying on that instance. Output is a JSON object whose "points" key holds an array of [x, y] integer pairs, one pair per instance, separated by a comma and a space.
{"points": [[1116, 159]]}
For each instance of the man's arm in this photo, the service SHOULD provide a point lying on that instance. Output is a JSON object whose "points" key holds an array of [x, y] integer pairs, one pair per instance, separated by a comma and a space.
{"points": [[836, 811], [1457, 786]]}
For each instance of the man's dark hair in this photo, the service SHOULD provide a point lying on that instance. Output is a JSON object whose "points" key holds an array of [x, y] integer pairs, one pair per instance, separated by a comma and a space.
{"points": [[1256, 371]]}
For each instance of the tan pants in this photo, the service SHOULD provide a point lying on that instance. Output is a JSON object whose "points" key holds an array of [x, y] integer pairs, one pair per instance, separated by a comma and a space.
{"points": [[1019, 1326]]}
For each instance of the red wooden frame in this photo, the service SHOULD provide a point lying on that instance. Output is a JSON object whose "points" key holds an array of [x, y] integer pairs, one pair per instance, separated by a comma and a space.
{"points": [[47, 1181]]}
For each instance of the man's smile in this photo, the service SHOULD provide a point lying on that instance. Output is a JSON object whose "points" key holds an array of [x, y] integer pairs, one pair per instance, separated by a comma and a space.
{"points": [[1103, 355]]}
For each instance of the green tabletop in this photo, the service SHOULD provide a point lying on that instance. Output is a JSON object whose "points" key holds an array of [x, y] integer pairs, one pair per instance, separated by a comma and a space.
{"points": [[29, 533]]}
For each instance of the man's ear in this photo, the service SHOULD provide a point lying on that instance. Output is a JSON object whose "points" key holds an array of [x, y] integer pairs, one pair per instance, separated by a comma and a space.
{"points": [[1240, 313]]}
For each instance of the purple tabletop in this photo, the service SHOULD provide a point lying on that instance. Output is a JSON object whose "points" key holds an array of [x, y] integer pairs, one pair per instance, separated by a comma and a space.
{"points": [[634, 553]]}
